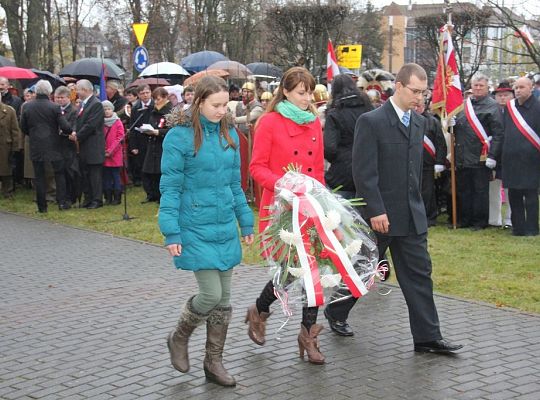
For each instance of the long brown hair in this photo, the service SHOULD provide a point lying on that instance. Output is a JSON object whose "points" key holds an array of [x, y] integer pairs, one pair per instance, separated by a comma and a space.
{"points": [[292, 78], [206, 87]]}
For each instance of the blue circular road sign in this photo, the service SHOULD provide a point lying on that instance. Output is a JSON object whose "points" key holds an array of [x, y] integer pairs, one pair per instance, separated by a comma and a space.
{"points": [[140, 58]]}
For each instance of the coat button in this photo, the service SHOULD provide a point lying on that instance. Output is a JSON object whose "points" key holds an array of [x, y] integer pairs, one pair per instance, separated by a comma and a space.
{"points": [[313, 138], [309, 170], [296, 152], [310, 153]]}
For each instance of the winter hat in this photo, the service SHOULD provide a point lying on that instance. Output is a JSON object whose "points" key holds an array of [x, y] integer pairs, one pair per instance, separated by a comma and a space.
{"points": [[107, 104], [177, 90]]}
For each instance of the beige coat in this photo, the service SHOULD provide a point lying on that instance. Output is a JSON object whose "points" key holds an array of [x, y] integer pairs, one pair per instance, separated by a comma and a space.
{"points": [[10, 136]]}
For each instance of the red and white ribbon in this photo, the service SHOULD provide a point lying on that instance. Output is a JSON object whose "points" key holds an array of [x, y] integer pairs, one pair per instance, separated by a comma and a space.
{"points": [[429, 146], [477, 126], [305, 208], [522, 125]]}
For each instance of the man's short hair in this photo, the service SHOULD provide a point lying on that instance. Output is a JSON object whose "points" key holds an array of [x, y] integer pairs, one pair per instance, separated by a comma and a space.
{"points": [[140, 88], [189, 89], [408, 70], [85, 84], [44, 87], [479, 77], [62, 91]]}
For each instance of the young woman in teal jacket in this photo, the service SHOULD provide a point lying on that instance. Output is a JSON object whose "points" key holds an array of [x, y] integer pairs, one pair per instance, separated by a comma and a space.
{"points": [[201, 203]]}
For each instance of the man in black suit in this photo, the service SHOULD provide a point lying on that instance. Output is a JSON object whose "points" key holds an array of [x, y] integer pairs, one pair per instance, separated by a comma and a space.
{"points": [[69, 148], [89, 134], [138, 141], [387, 170]]}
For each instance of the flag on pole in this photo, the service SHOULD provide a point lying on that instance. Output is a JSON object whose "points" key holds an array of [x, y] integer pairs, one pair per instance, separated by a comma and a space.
{"points": [[525, 33], [332, 68], [102, 91], [447, 99]]}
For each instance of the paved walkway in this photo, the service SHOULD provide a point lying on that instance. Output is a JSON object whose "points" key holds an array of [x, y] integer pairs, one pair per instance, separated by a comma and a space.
{"points": [[85, 315]]}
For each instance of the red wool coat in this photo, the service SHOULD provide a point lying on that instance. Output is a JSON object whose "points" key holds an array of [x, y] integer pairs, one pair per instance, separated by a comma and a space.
{"points": [[278, 142], [113, 144]]}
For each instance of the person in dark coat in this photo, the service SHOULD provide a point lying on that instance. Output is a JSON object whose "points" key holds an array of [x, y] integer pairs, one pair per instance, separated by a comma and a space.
{"points": [[89, 136], [113, 95], [387, 169], [69, 148], [152, 161], [42, 120], [434, 158], [10, 137], [138, 141], [521, 158], [10, 99], [475, 157], [347, 104]]}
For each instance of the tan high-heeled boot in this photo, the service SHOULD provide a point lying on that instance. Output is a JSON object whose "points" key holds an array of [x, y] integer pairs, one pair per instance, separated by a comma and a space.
{"points": [[217, 326], [309, 341], [177, 341], [257, 324]]}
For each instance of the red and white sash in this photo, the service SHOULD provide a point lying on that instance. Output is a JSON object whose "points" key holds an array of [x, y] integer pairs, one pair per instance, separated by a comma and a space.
{"points": [[522, 125], [429, 146], [477, 126]]}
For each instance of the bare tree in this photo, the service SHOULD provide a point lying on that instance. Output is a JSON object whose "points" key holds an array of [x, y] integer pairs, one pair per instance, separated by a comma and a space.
{"points": [[24, 21], [469, 38], [299, 32], [514, 22]]}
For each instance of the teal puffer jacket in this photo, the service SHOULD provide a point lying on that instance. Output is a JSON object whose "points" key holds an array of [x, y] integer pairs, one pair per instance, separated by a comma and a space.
{"points": [[202, 200]]}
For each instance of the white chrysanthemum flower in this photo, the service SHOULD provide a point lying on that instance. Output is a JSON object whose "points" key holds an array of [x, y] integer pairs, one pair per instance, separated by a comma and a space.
{"points": [[330, 280], [287, 237], [354, 247], [331, 221], [296, 272]]}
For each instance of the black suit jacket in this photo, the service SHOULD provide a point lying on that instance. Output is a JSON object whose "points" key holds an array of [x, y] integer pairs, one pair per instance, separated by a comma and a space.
{"points": [[89, 128], [139, 115], [387, 169]]}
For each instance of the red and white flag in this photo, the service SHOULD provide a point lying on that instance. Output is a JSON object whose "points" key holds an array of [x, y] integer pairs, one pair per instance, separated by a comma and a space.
{"points": [[447, 97], [525, 33], [332, 68]]}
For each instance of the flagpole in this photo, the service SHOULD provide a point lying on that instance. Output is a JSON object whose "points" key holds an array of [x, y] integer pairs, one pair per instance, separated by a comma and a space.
{"points": [[449, 27]]}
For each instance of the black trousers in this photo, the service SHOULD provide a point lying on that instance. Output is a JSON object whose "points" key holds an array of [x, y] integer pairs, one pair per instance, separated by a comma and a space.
{"points": [[151, 186], [524, 205], [412, 265], [41, 182], [428, 194], [473, 192], [92, 176]]}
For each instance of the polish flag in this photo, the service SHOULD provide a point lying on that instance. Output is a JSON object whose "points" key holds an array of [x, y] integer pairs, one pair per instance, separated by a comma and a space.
{"points": [[525, 34], [447, 94], [332, 68]]}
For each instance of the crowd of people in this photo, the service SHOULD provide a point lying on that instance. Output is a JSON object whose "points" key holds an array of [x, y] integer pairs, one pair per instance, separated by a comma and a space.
{"points": [[182, 144]]}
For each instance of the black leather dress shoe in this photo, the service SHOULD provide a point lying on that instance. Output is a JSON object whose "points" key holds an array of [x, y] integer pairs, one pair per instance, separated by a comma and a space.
{"points": [[64, 206], [93, 205], [438, 346], [342, 328]]}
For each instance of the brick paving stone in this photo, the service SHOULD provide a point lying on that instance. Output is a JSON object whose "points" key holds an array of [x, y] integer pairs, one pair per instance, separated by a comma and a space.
{"points": [[85, 315]]}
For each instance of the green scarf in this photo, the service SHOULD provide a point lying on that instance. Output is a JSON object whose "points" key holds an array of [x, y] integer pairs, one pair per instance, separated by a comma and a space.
{"points": [[289, 110]]}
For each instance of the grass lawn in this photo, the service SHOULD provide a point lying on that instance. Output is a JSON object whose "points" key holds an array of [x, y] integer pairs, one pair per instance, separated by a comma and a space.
{"points": [[489, 265]]}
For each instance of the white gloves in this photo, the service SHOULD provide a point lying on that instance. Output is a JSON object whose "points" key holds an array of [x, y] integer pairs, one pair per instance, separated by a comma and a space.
{"points": [[451, 122], [439, 168], [491, 163]]}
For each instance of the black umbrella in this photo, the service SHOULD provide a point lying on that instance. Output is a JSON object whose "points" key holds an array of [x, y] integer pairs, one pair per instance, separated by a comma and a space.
{"points": [[54, 79], [265, 69], [6, 62], [90, 68]]}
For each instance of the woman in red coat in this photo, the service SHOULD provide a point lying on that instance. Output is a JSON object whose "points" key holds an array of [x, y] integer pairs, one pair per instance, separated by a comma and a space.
{"points": [[289, 132], [113, 129]]}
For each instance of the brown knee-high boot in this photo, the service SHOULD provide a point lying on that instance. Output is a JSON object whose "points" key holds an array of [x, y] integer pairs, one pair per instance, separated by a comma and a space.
{"points": [[177, 341], [217, 325], [308, 341]]}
